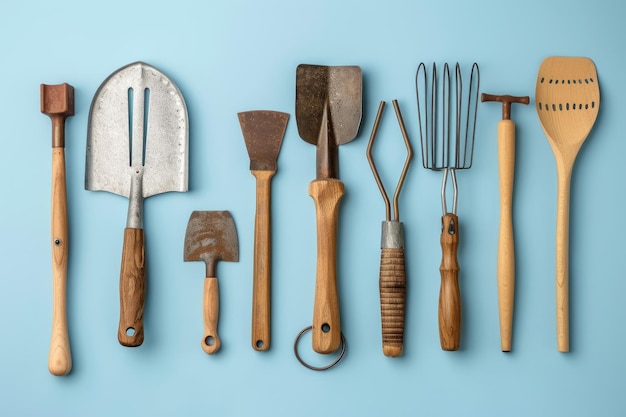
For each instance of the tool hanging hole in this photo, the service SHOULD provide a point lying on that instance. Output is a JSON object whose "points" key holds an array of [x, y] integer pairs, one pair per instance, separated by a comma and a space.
{"points": [[130, 332], [209, 340], [326, 327], [57, 242], [259, 344]]}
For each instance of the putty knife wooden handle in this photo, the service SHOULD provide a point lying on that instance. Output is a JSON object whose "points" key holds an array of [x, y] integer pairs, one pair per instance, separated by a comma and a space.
{"points": [[326, 323], [211, 342], [132, 288], [262, 262], [449, 293], [57, 101], [506, 241]]}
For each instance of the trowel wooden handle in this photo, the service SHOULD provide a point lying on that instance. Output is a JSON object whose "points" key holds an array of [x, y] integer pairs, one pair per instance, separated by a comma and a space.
{"points": [[392, 286], [506, 245], [261, 281], [132, 288], [211, 310], [60, 357], [326, 323], [449, 293]]}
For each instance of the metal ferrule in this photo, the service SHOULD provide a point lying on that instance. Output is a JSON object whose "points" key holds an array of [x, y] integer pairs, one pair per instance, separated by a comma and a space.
{"points": [[392, 236], [134, 220]]}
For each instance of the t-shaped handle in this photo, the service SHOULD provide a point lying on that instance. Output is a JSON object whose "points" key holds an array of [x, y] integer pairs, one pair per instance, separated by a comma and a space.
{"points": [[506, 101]]}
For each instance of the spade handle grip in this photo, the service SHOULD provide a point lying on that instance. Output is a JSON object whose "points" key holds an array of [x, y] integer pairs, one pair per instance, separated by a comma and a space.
{"points": [[261, 279], [326, 329], [132, 288], [449, 293], [506, 247], [211, 342], [59, 358]]}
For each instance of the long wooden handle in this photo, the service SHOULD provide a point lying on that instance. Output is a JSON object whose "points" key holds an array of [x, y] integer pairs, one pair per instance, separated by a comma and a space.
{"points": [[60, 357], [132, 288], [392, 284], [326, 337], [261, 279], [449, 293], [211, 310], [562, 258], [506, 243]]}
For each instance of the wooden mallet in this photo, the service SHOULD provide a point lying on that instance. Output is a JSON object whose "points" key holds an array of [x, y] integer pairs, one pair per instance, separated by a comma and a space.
{"points": [[57, 101], [506, 245]]}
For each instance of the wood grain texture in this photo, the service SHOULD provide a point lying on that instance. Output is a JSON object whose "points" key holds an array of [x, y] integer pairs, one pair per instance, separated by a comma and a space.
{"points": [[449, 293], [59, 357], [506, 242], [132, 288], [326, 330], [567, 97], [261, 280], [211, 341], [392, 286]]}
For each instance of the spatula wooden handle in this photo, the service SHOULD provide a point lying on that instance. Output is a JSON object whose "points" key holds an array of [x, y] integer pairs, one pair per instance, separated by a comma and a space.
{"points": [[261, 281], [211, 342], [449, 293], [132, 288], [392, 285], [59, 358], [562, 258], [326, 322], [506, 244]]}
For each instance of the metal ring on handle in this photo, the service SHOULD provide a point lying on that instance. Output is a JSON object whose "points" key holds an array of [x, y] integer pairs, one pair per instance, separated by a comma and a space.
{"points": [[315, 368]]}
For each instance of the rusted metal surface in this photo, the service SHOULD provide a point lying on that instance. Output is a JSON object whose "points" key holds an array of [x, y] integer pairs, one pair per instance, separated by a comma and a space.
{"points": [[263, 132]]}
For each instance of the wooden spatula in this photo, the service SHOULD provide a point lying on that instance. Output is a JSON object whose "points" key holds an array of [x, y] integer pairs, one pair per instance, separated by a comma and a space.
{"points": [[567, 99]]}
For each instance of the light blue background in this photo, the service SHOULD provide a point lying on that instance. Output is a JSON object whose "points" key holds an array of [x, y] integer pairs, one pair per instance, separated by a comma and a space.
{"points": [[234, 56]]}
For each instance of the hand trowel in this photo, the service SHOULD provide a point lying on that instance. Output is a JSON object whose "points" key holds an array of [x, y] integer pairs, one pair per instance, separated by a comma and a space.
{"points": [[328, 114], [263, 133], [137, 143]]}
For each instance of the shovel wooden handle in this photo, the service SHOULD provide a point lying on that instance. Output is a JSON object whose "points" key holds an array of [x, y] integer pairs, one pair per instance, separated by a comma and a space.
{"points": [[60, 357], [211, 342], [449, 293], [261, 281], [132, 288], [506, 244], [326, 326]]}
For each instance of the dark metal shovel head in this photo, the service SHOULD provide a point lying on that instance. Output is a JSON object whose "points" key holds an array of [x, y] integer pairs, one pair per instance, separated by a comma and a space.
{"points": [[211, 236], [331, 93], [137, 124], [263, 132]]}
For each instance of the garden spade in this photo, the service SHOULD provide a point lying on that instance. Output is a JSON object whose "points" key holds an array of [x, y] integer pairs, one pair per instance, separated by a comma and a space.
{"points": [[211, 236], [137, 144], [263, 133], [328, 114]]}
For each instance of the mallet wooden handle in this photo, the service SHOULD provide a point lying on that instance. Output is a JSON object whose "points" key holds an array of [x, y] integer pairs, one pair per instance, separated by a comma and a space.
{"points": [[261, 281], [449, 293], [132, 288], [326, 321], [57, 101], [211, 342], [392, 286]]}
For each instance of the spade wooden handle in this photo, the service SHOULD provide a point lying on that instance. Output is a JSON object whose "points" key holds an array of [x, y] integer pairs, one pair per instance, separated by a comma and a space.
{"points": [[59, 358], [506, 244], [392, 286], [132, 288], [326, 322], [449, 293], [211, 342], [261, 280]]}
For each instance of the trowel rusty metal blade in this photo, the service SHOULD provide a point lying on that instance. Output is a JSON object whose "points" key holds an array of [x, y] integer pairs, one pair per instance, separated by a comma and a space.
{"points": [[211, 236], [263, 132], [334, 93], [137, 121]]}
